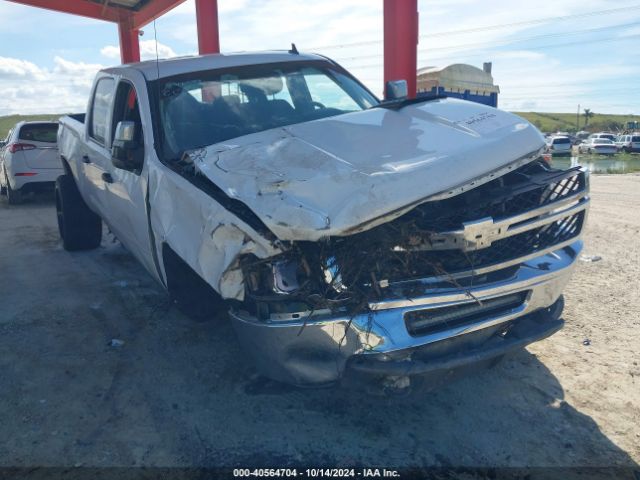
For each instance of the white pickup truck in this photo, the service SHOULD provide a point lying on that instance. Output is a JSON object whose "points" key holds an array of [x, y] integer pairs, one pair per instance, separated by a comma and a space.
{"points": [[394, 240]]}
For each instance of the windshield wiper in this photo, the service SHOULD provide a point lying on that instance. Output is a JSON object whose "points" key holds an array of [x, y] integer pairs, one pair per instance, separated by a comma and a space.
{"points": [[403, 102]]}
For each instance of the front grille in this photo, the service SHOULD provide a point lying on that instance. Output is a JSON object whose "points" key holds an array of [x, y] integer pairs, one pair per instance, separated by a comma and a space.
{"points": [[433, 320], [532, 241], [528, 187], [388, 252]]}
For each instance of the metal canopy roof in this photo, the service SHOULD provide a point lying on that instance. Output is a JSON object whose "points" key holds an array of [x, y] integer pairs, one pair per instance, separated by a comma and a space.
{"points": [[135, 13], [130, 4]]}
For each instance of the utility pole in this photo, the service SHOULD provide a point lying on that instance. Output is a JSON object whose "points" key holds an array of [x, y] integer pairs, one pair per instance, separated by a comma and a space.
{"points": [[578, 119]]}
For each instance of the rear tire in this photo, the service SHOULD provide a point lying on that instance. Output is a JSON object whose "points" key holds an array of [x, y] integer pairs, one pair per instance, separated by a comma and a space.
{"points": [[80, 228], [14, 197]]}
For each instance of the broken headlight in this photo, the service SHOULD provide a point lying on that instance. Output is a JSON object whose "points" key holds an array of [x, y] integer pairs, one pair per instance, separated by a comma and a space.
{"points": [[284, 277], [279, 276]]}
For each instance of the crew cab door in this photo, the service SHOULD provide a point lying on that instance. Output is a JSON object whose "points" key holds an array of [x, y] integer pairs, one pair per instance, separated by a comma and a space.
{"points": [[118, 195], [126, 203]]}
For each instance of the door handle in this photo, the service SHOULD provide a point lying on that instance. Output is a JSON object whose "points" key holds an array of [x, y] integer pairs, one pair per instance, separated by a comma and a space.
{"points": [[86, 159], [107, 178]]}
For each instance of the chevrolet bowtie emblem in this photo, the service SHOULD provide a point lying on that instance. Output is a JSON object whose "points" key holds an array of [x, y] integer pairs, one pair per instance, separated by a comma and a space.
{"points": [[481, 233]]}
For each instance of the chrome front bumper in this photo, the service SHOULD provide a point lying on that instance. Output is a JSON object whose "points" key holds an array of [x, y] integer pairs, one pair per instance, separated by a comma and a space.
{"points": [[317, 349]]}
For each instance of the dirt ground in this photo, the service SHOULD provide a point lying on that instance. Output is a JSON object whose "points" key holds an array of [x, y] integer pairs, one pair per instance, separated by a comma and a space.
{"points": [[180, 393]]}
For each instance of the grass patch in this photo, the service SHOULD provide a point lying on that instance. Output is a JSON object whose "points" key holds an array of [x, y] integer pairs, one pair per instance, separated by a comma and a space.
{"points": [[554, 122]]}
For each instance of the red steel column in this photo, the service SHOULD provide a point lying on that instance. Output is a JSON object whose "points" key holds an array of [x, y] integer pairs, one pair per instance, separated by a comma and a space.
{"points": [[208, 31], [401, 42], [129, 43]]}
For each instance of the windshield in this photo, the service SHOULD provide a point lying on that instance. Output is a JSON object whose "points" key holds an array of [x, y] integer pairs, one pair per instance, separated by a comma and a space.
{"points": [[213, 106]]}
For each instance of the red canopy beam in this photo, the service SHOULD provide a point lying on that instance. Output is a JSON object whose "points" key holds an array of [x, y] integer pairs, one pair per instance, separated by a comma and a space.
{"points": [[129, 42], [84, 8], [401, 42], [208, 30]]}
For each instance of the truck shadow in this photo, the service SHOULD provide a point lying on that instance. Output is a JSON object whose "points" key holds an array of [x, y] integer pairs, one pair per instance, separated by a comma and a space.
{"points": [[513, 415], [33, 199]]}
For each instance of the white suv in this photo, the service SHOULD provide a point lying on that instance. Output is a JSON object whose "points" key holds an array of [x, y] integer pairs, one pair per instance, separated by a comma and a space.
{"points": [[628, 143], [29, 160], [559, 145]]}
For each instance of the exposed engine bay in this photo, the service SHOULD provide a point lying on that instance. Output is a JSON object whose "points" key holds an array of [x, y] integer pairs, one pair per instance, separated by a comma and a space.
{"points": [[430, 242]]}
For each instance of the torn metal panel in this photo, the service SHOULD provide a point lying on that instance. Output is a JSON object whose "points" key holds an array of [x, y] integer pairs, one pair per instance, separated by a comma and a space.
{"points": [[205, 235], [338, 175]]}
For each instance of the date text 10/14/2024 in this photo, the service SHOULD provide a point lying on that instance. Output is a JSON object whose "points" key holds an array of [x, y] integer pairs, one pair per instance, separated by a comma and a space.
{"points": [[316, 472]]}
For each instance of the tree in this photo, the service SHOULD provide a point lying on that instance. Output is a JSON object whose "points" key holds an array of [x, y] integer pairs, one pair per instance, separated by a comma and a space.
{"points": [[587, 115]]}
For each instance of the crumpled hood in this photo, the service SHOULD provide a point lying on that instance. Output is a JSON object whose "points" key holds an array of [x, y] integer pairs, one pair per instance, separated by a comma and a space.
{"points": [[341, 174]]}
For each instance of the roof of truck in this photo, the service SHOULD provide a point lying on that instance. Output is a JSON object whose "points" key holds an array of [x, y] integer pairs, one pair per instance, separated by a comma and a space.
{"points": [[195, 63]]}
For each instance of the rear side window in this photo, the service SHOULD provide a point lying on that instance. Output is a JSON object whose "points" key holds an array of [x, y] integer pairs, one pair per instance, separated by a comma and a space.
{"points": [[557, 141], [635, 138], [43, 132], [100, 109]]}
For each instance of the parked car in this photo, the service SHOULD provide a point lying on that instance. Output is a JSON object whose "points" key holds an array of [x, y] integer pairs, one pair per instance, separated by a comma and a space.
{"points": [[607, 135], [346, 235], [29, 162], [628, 143], [596, 145], [559, 145], [582, 135]]}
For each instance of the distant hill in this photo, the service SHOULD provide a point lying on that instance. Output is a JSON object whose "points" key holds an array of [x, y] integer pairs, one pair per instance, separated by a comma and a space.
{"points": [[554, 122], [547, 122], [8, 121]]}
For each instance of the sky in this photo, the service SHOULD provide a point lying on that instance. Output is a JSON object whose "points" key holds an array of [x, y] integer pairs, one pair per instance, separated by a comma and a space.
{"points": [[548, 55]]}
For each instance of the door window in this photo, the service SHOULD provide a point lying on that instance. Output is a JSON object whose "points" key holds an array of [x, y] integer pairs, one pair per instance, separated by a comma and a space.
{"points": [[126, 109], [100, 110]]}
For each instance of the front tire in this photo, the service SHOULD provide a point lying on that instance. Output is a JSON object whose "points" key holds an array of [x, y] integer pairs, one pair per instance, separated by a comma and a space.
{"points": [[80, 228]]}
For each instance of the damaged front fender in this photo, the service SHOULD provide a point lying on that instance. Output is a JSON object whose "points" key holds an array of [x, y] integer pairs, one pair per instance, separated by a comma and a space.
{"points": [[206, 236]]}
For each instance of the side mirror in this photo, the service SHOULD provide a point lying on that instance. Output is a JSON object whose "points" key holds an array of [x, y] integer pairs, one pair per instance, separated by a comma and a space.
{"points": [[396, 90], [124, 144]]}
